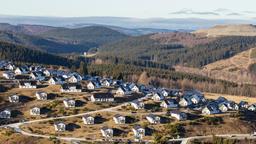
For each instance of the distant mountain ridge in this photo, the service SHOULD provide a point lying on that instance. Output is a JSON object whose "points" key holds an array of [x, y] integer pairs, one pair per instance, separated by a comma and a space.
{"points": [[126, 22]]}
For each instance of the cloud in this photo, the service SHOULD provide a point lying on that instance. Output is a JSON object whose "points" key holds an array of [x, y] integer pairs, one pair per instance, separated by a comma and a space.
{"points": [[191, 12], [249, 12], [219, 13], [222, 10], [205, 13], [234, 14]]}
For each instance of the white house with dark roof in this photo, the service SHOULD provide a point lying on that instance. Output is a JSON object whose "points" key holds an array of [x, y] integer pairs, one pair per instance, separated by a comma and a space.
{"points": [[223, 107], [92, 85], [106, 82], [88, 120], [243, 104], [184, 102], [55, 81], [119, 119], [153, 119], [35, 68], [211, 108], [107, 132], [35, 111], [196, 98], [37, 76], [137, 105], [60, 126], [71, 88], [8, 75], [232, 105], [252, 107], [20, 71], [157, 97], [139, 132], [134, 88], [69, 103], [163, 92], [73, 79], [169, 103], [27, 84], [14, 98], [179, 115], [10, 66], [122, 91], [102, 97], [5, 114], [46, 72], [40, 95]]}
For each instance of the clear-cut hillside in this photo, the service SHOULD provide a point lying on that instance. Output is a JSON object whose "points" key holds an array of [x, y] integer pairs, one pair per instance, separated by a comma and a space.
{"points": [[235, 69], [228, 30]]}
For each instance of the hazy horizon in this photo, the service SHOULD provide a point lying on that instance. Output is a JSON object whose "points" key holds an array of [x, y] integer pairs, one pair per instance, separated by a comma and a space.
{"points": [[142, 9]]}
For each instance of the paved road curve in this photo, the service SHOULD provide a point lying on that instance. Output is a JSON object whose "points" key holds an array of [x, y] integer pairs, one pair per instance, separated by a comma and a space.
{"points": [[16, 127]]}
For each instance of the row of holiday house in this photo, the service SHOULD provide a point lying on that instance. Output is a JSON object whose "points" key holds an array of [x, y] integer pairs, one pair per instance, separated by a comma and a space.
{"points": [[197, 102], [192, 99], [107, 132]]}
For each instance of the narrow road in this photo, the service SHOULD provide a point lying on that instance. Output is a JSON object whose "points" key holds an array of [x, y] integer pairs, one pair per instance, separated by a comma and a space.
{"points": [[16, 127], [230, 136]]}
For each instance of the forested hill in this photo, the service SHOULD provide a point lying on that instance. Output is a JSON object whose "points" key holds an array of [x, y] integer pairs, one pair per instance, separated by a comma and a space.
{"points": [[21, 54], [96, 35], [57, 39], [40, 43], [25, 29], [147, 50]]}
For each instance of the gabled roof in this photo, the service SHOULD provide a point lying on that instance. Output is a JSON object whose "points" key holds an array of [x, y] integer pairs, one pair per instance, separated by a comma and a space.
{"points": [[170, 101], [130, 86], [124, 88], [243, 103], [105, 128], [103, 95], [30, 82], [38, 73], [136, 127], [95, 83], [175, 112], [153, 116], [118, 115], [86, 116], [59, 122], [221, 99], [69, 85], [213, 106]]}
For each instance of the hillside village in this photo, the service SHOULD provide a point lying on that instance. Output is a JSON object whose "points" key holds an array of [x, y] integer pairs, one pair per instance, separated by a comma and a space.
{"points": [[36, 92]]}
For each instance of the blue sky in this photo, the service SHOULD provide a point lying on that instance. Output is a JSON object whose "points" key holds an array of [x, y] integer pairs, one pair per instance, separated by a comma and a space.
{"points": [[210, 9]]}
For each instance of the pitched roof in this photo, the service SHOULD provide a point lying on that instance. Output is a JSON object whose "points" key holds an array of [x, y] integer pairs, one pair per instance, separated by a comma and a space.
{"points": [[68, 85], [30, 82], [103, 95]]}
